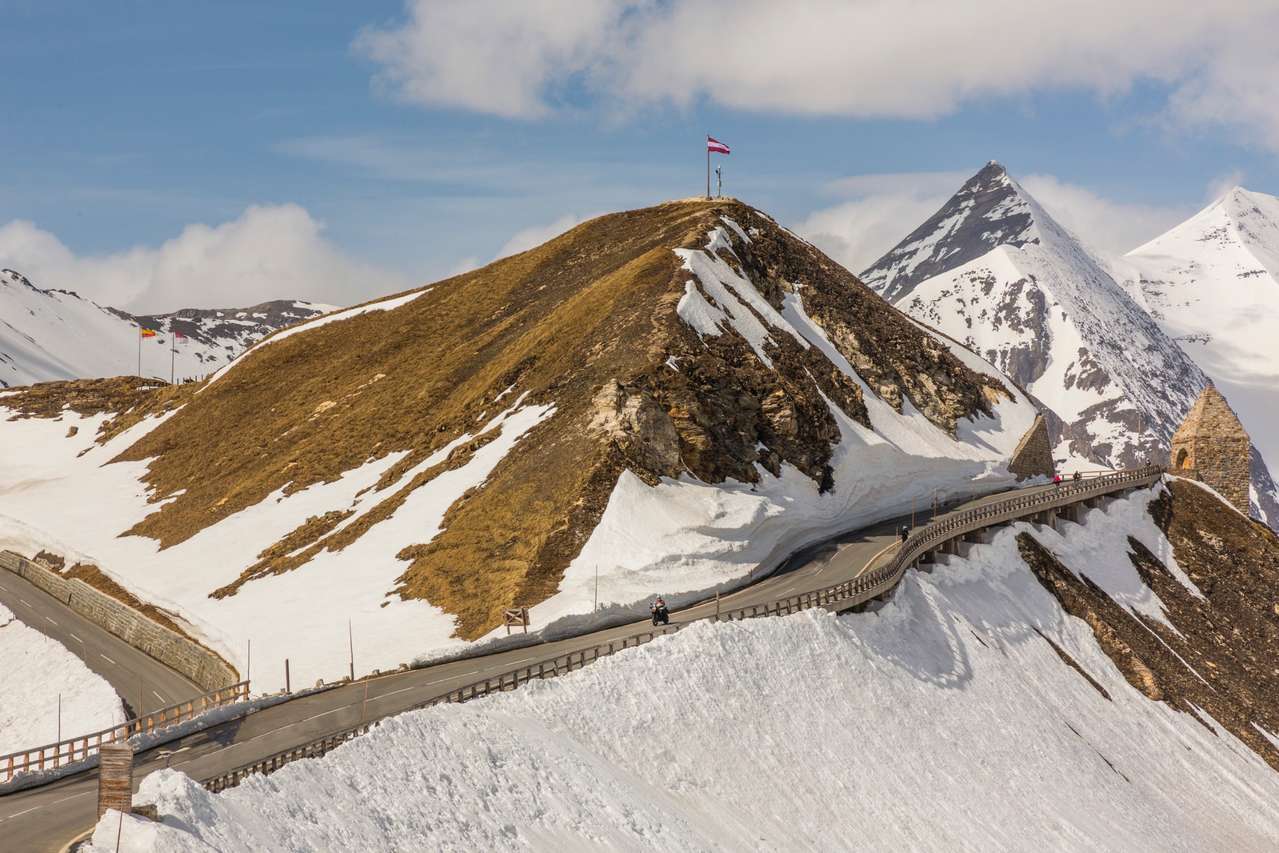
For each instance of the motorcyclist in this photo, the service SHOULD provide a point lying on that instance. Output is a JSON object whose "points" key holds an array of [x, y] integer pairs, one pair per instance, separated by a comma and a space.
{"points": [[904, 533], [660, 614]]}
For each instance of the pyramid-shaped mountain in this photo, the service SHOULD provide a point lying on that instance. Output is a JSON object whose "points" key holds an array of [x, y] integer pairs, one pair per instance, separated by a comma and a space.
{"points": [[993, 269]]}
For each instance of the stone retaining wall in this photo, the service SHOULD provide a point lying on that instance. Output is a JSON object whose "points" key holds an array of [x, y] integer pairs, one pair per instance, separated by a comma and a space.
{"points": [[168, 647]]}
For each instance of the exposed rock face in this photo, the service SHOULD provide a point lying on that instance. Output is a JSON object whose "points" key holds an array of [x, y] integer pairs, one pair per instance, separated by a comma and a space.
{"points": [[640, 428], [1212, 446], [1034, 453]]}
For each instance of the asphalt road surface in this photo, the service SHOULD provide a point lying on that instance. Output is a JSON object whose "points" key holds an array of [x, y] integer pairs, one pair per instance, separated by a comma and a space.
{"points": [[142, 682], [47, 817]]}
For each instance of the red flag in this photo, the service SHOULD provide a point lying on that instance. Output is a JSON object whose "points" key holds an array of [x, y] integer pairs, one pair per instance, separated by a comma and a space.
{"points": [[179, 337], [148, 333], [713, 144]]}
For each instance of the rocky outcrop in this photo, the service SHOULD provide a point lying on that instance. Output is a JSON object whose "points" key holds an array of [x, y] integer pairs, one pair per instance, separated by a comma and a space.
{"points": [[639, 427]]}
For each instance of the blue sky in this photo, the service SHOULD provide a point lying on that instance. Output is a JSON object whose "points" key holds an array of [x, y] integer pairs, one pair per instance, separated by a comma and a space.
{"points": [[128, 122]]}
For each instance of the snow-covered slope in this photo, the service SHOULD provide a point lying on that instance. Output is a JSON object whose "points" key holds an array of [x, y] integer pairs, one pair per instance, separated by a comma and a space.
{"points": [[993, 269], [972, 712], [56, 334], [37, 670], [1213, 284], [674, 398]]}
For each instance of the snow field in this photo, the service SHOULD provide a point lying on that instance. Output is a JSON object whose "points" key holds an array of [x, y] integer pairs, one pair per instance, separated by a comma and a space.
{"points": [[36, 671], [941, 722]]}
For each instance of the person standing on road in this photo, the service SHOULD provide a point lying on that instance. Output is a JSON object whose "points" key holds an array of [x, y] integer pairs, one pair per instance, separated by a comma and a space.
{"points": [[904, 533]]}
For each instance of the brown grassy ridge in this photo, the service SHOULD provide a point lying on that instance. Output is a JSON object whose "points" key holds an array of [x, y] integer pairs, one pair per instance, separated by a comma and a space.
{"points": [[586, 312]]}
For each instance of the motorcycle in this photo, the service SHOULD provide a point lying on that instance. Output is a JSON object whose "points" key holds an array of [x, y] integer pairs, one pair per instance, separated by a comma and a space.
{"points": [[661, 616]]}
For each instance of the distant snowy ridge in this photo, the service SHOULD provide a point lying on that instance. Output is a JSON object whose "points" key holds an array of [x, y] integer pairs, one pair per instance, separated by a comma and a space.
{"points": [[994, 270], [50, 335], [1212, 283]]}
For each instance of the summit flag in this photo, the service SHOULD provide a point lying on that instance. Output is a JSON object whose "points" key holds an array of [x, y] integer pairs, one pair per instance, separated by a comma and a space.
{"points": [[713, 144], [148, 333]]}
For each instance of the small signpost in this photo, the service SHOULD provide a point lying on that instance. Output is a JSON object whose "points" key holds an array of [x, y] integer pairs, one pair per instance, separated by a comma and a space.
{"points": [[516, 617]]}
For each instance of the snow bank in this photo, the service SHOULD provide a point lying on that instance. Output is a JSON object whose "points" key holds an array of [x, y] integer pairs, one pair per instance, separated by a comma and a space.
{"points": [[36, 671], [941, 722]]}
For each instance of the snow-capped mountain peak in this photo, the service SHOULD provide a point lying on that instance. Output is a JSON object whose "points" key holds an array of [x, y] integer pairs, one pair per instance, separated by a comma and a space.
{"points": [[1212, 283], [993, 269], [989, 210], [58, 334]]}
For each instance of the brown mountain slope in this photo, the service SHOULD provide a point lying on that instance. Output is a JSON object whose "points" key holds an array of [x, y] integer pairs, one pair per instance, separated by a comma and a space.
{"points": [[586, 323], [1222, 659]]}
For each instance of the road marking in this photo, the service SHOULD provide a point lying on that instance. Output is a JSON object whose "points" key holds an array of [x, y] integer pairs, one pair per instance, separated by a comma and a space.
{"points": [[21, 813], [77, 639], [157, 695], [72, 797], [325, 713], [872, 560], [51, 620], [23, 600], [107, 659]]}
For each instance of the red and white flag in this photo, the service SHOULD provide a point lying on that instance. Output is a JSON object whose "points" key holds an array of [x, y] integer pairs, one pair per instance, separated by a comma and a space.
{"points": [[180, 339], [713, 144]]}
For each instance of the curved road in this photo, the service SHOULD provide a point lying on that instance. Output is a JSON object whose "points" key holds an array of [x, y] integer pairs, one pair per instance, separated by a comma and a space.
{"points": [[141, 681], [47, 817]]}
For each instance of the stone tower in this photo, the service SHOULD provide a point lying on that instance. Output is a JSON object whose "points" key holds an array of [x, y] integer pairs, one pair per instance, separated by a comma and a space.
{"points": [[1034, 453], [1212, 446]]}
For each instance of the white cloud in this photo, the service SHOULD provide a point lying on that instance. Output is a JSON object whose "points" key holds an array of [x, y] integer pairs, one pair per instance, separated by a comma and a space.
{"points": [[270, 252], [1223, 184], [1105, 225], [885, 208], [873, 58], [536, 235], [857, 232]]}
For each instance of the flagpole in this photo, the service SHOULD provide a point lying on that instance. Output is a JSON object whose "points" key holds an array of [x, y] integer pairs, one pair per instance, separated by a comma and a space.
{"points": [[139, 350], [708, 167], [173, 354]]}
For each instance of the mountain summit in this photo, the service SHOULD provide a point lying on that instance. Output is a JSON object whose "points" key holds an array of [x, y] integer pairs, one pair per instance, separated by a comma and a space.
{"points": [[661, 401], [989, 211]]}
